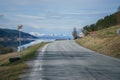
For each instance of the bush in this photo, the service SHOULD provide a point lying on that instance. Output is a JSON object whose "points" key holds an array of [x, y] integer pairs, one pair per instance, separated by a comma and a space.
{"points": [[4, 50], [8, 49]]}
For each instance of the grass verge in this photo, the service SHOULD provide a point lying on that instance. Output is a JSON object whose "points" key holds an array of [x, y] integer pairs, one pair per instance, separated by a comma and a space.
{"points": [[106, 42], [11, 71]]}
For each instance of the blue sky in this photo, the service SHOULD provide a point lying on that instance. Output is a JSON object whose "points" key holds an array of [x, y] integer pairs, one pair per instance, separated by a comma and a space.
{"points": [[53, 16]]}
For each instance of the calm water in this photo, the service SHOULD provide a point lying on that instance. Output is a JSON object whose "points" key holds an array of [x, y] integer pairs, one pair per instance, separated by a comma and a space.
{"points": [[34, 43]]}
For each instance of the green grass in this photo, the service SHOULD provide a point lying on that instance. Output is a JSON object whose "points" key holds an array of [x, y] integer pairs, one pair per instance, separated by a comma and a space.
{"points": [[106, 42], [30, 53], [11, 71]]}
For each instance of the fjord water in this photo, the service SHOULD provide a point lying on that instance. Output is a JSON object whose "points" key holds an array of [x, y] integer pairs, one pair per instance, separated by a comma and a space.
{"points": [[36, 41]]}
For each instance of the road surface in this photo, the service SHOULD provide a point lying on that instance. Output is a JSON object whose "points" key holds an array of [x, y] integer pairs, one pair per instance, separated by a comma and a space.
{"points": [[66, 60]]}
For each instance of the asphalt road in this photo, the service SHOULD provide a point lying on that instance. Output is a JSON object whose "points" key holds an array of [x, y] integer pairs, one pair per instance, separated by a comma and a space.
{"points": [[66, 60]]}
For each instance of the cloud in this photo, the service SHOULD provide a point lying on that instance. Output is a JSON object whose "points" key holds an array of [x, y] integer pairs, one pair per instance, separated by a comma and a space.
{"points": [[86, 12], [30, 16], [22, 2], [1, 15], [43, 1], [53, 15], [3, 19], [36, 34]]}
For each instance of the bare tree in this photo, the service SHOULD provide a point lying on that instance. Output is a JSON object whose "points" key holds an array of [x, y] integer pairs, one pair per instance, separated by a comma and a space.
{"points": [[119, 8], [74, 33]]}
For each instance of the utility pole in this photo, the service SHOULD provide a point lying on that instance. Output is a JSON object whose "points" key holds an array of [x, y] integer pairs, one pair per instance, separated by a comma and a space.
{"points": [[19, 29]]}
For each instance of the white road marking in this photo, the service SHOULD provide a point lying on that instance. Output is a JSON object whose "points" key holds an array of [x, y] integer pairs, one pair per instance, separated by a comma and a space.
{"points": [[67, 60], [38, 63], [43, 49], [42, 53]]}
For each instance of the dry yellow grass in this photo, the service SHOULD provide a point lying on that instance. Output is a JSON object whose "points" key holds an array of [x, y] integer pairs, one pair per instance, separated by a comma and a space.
{"points": [[106, 42], [11, 71], [4, 58]]}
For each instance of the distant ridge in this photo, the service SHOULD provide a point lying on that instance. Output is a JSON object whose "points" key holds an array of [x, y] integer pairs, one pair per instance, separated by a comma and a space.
{"points": [[9, 33]]}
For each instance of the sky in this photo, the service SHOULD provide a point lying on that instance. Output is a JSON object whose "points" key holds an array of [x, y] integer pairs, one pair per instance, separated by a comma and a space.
{"points": [[53, 16]]}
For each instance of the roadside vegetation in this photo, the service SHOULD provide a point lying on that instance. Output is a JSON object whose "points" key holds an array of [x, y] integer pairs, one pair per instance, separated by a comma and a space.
{"points": [[106, 22], [106, 41], [11, 71], [102, 36], [4, 50]]}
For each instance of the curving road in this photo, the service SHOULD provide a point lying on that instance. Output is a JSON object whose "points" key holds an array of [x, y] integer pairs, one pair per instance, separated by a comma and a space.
{"points": [[66, 60]]}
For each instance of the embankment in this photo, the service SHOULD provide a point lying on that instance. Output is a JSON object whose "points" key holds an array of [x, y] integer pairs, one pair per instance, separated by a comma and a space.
{"points": [[11, 71], [107, 42]]}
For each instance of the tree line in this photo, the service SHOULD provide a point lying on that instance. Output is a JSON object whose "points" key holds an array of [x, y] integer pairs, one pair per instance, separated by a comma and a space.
{"points": [[107, 21]]}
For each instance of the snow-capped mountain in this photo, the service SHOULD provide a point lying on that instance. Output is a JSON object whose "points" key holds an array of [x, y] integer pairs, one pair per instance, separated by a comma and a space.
{"points": [[50, 36]]}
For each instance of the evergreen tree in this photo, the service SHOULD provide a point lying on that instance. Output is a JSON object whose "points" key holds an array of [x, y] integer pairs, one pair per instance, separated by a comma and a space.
{"points": [[107, 21]]}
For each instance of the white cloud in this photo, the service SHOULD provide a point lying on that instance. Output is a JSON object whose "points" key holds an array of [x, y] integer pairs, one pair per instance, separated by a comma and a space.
{"points": [[86, 12], [22, 2], [53, 16], [36, 34], [30, 16]]}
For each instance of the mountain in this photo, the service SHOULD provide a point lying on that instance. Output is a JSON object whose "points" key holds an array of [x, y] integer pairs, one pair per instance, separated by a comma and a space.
{"points": [[50, 36], [56, 37], [9, 33], [9, 38]]}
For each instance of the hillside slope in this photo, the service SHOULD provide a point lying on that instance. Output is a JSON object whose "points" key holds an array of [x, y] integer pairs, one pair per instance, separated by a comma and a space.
{"points": [[106, 41], [9, 33], [106, 22], [9, 40]]}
